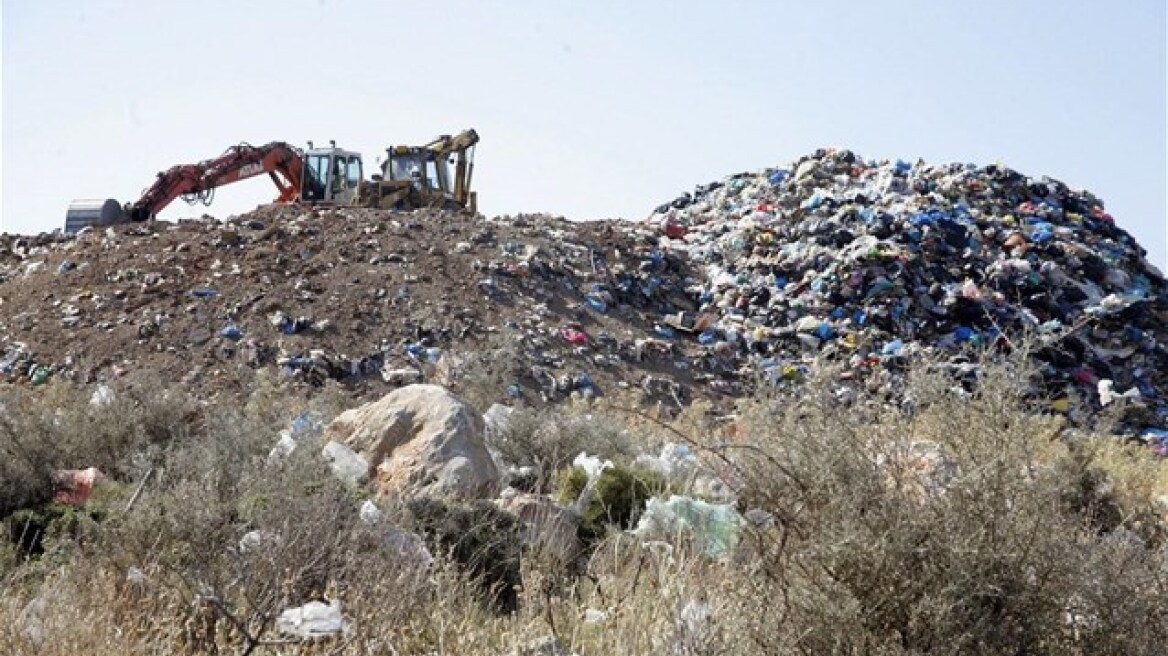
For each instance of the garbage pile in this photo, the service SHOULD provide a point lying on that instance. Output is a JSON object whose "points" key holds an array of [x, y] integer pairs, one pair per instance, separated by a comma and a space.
{"points": [[873, 263]]}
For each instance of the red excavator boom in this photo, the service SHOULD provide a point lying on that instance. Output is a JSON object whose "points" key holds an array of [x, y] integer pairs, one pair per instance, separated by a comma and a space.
{"points": [[283, 162]]}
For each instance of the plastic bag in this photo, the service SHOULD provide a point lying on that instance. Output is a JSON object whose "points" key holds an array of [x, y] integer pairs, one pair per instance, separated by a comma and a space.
{"points": [[714, 527]]}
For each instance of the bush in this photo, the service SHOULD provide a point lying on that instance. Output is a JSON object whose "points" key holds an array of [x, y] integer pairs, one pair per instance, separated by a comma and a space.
{"points": [[484, 540], [987, 548], [962, 524], [58, 428], [548, 440], [617, 500], [33, 530]]}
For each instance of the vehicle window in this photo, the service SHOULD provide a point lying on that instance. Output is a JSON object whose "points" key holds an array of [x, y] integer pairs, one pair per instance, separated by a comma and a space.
{"points": [[318, 166], [354, 172], [402, 168], [339, 173]]}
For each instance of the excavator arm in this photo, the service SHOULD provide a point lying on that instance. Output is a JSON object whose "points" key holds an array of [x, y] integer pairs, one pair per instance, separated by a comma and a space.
{"points": [[282, 162], [462, 147]]}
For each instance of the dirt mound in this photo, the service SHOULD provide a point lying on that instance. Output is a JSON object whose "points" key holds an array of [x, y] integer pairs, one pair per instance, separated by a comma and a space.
{"points": [[365, 297]]}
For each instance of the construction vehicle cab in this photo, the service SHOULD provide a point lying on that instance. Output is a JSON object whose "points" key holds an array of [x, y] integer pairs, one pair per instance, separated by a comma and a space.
{"points": [[332, 175]]}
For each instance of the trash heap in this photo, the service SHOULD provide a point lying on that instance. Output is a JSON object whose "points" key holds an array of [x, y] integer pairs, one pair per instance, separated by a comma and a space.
{"points": [[873, 263]]}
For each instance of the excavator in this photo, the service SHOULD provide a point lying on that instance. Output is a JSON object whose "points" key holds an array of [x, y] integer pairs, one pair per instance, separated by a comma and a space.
{"points": [[435, 175]]}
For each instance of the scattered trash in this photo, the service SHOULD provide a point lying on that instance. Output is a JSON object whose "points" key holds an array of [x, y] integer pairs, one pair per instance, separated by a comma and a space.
{"points": [[594, 616], [312, 620], [676, 462], [714, 527], [102, 397], [73, 486], [592, 465], [573, 335], [370, 513], [305, 425], [403, 376], [257, 539]]}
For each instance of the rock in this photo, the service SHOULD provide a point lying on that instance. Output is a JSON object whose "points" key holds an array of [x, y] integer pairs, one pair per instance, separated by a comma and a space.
{"points": [[409, 546], [497, 420], [420, 440], [548, 528], [345, 463]]}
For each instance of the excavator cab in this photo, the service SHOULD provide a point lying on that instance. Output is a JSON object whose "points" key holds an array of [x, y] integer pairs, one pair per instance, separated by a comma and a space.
{"points": [[331, 175]]}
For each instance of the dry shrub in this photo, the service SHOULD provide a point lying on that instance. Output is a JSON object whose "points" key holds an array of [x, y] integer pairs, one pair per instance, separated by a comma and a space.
{"points": [[481, 538], [550, 439], [989, 548], [960, 524], [57, 427]]}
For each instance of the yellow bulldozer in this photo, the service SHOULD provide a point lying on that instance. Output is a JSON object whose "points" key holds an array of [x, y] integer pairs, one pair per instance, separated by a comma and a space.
{"points": [[437, 174]]}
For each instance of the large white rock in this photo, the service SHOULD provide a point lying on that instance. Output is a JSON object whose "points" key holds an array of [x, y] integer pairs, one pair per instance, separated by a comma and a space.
{"points": [[420, 440]]}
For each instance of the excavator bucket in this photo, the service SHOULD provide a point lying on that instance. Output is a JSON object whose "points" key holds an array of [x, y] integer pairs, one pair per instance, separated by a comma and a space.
{"points": [[95, 212]]}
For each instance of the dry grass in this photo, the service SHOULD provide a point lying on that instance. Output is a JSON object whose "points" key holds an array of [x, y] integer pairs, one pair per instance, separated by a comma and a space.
{"points": [[966, 526]]}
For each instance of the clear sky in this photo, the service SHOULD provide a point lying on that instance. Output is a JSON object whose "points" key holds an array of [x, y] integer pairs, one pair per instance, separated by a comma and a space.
{"points": [[586, 109]]}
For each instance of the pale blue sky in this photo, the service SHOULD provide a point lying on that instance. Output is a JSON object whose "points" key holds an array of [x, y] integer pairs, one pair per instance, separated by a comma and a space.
{"points": [[586, 109]]}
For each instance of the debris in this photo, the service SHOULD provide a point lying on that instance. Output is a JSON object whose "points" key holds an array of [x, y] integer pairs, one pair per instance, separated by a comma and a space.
{"points": [[102, 397], [714, 527], [73, 486], [312, 620], [865, 262]]}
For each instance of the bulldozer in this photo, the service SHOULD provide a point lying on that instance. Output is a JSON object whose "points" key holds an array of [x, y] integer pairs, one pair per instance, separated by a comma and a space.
{"points": [[437, 174], [434, 175]]}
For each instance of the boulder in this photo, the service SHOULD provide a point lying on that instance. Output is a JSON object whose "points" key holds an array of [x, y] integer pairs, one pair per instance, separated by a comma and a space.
{"points": [[420, 440]]}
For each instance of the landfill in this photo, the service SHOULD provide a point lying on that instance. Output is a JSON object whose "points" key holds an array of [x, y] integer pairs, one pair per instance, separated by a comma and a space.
{"points": [[370, 299], [871, 263], [746, 281]]}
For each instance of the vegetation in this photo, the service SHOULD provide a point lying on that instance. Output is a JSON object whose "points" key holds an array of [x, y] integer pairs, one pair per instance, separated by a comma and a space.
{"points": [[964, 524]]}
